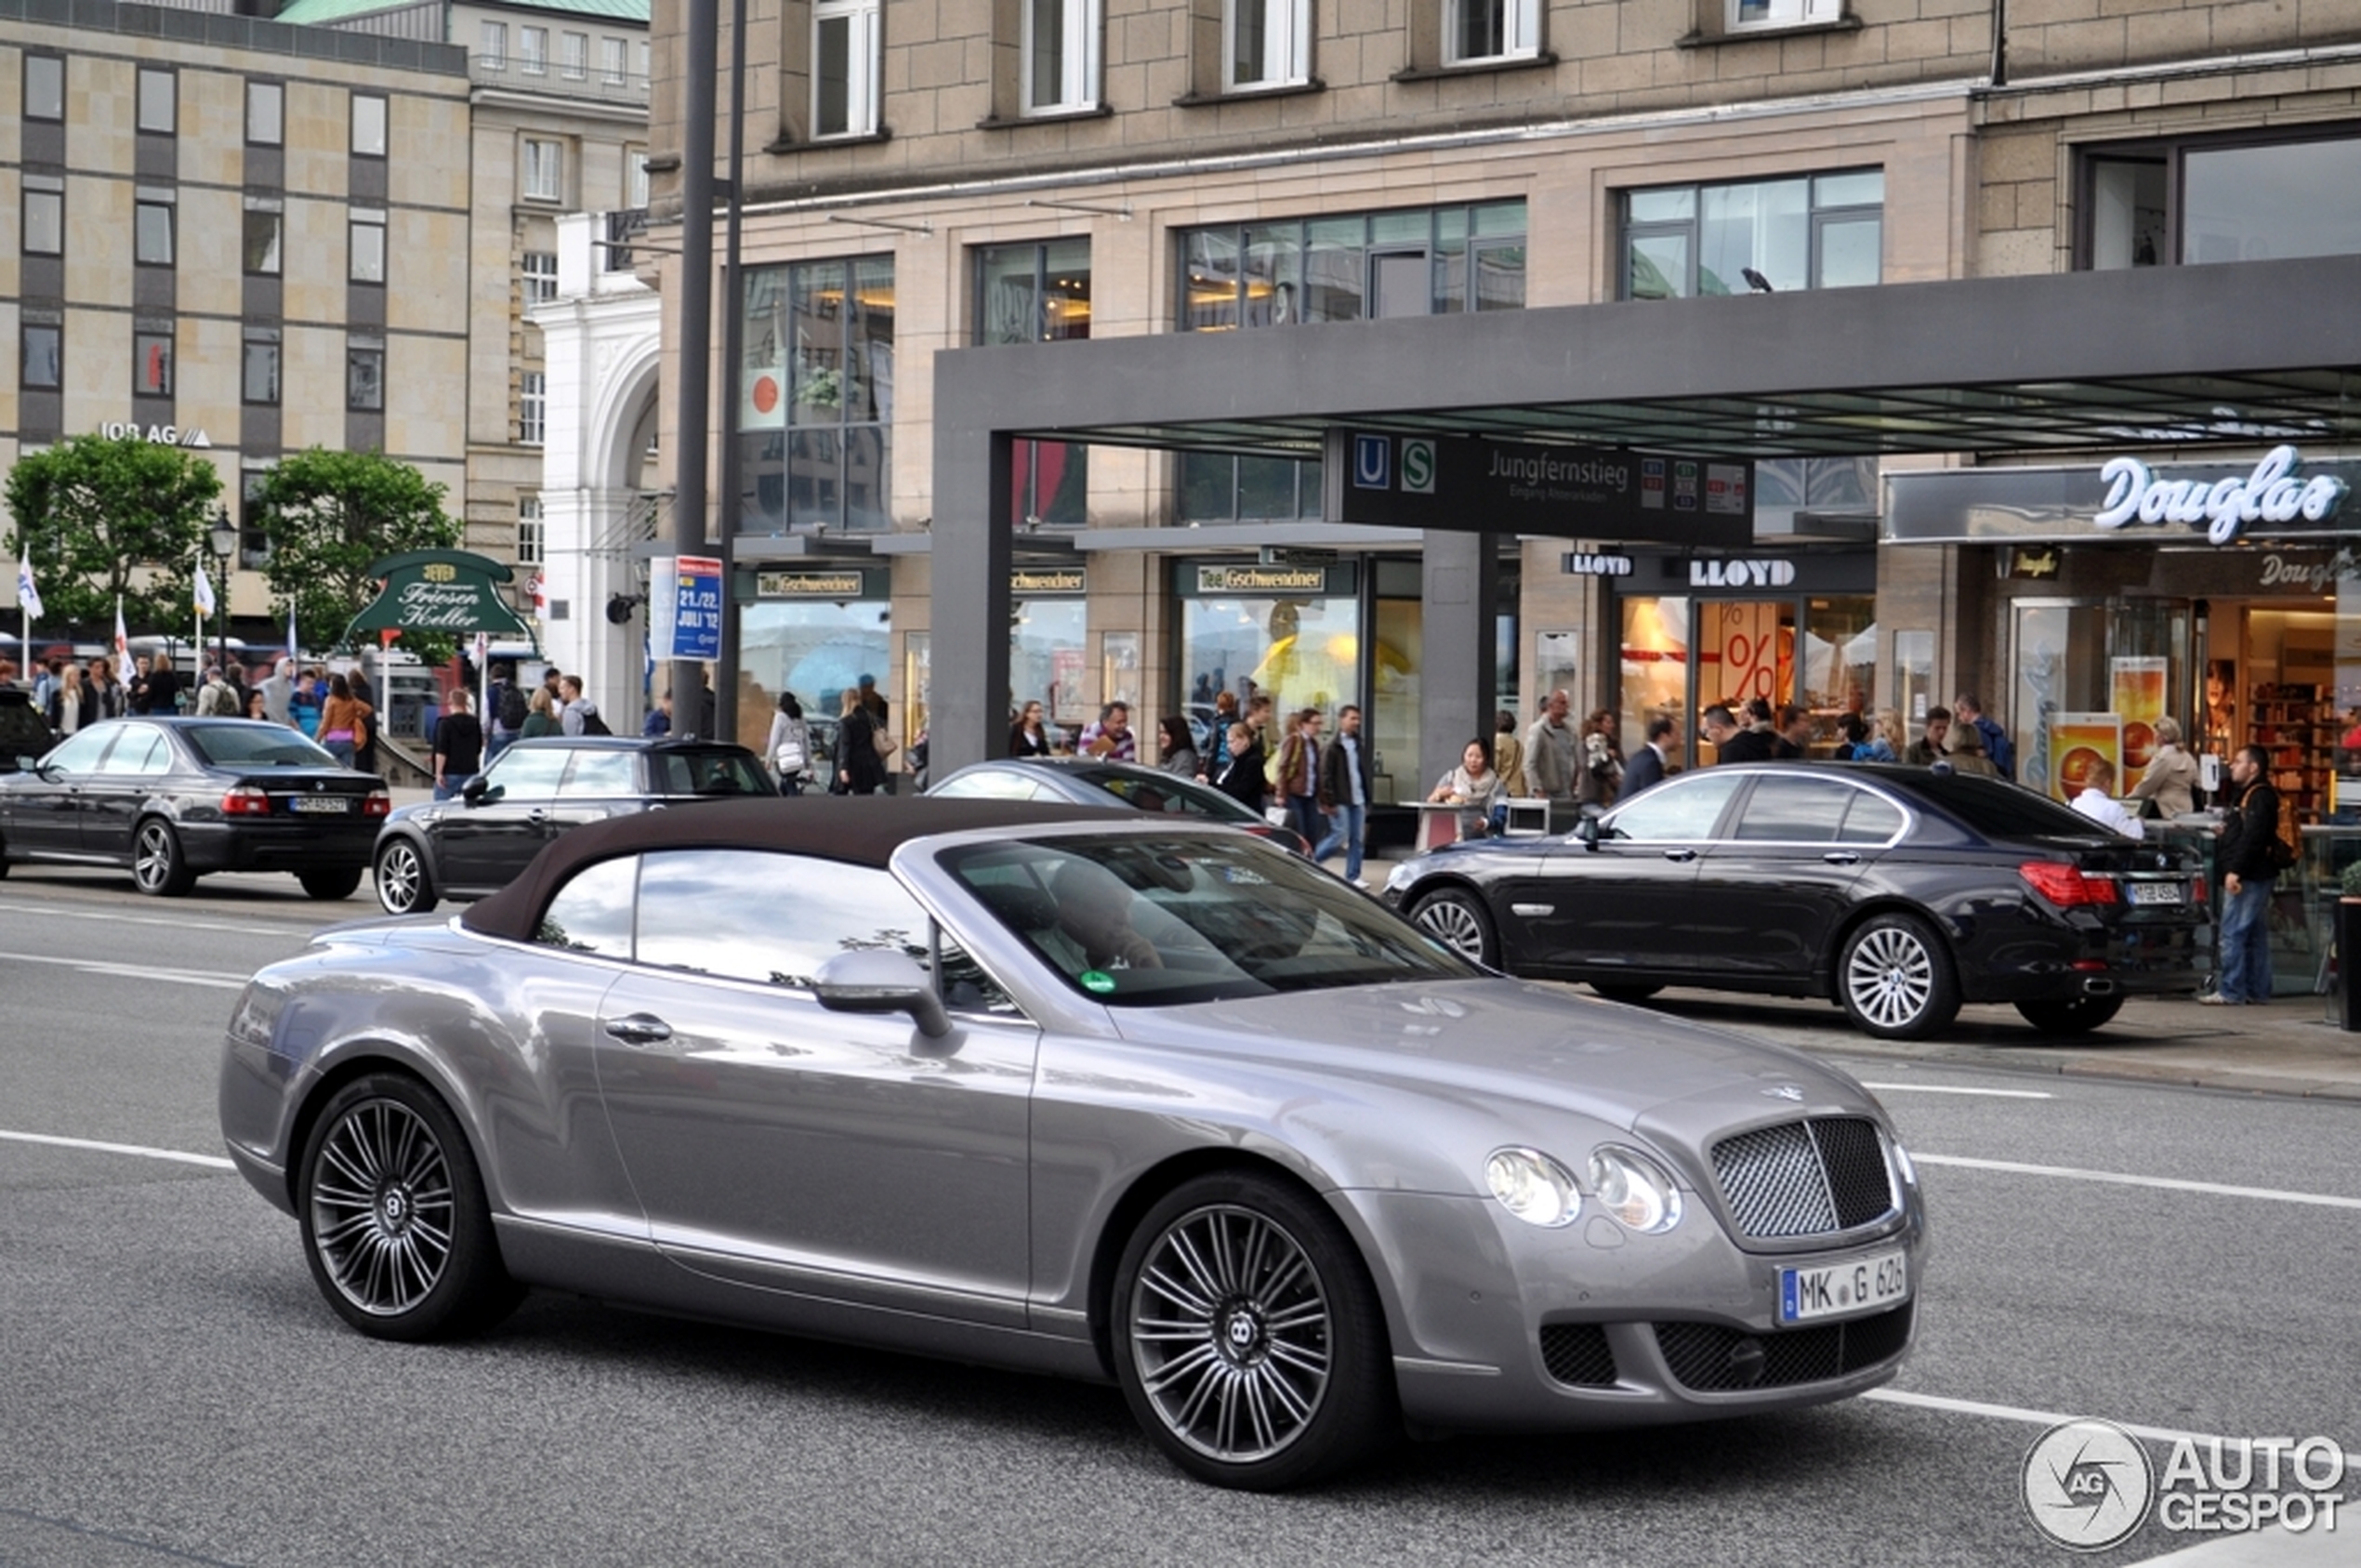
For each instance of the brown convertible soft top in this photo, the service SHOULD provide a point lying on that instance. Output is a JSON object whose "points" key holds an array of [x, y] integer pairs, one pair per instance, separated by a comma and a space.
{"points": [[859, 830]]}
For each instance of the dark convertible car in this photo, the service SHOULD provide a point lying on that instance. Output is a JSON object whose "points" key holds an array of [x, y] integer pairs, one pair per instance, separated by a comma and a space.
{"points": [[172, 798], [1900, 892]]}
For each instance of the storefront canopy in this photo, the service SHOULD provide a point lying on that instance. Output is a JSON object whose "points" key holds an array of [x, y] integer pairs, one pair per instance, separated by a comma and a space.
{"points": [[440, 591], [2145, 359]]}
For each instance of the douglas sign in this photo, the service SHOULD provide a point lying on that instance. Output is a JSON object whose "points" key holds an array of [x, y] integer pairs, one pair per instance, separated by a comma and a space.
{"points": [[2271, 493]]}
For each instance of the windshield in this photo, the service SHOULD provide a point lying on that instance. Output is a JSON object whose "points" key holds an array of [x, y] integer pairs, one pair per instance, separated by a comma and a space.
{"points": [[1147, 921], [1169, 792], [256, 746]]}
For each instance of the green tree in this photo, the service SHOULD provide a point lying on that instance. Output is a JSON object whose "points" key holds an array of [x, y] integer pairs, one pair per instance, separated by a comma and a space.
{"points": [[102, 517], [325, 516]]}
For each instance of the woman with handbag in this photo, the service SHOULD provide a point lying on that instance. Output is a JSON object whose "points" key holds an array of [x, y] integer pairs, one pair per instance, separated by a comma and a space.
{"points": [[859, 769], [789, 747]]}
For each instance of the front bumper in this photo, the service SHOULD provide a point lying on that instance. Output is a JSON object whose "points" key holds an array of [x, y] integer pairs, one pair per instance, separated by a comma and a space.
{"points": [[1503, 1326]]}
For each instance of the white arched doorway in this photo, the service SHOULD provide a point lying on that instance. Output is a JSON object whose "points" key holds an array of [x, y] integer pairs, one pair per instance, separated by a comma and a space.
{"points": [[601, 338]]}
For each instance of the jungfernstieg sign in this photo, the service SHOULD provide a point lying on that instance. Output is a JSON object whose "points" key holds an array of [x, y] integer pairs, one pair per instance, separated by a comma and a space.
{"points": [[2271, 493]]}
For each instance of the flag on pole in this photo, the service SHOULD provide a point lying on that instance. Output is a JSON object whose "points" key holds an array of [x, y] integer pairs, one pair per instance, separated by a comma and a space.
{"points": [[291, 631], [205, 591], [123, 670], [27, 595]]}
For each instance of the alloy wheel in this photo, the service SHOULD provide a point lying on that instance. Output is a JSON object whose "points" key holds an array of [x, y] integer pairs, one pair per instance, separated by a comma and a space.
{"points": [[1451, 922], [399, 877], [1890, 977], [155, 858], [383, 1207], [1230, 1334]]}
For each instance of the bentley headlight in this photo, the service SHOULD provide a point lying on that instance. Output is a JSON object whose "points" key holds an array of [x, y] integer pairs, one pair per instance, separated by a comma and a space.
{"points": [[1534, 1186], [1635, 1189], [1400, 876], [1902, 1163]]}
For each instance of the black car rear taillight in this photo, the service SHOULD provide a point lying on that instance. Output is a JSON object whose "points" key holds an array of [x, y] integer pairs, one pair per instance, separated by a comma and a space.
{"points": [[245, 801], [2067, 886]]}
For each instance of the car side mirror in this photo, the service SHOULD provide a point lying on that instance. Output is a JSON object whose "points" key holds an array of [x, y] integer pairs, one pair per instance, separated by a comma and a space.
{"points": [[1587, 830], [476, 791], [877, 981]]}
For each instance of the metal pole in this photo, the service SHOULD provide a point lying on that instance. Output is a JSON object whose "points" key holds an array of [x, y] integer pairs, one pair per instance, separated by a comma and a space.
{"points": [[699, 64], [734, 328]]}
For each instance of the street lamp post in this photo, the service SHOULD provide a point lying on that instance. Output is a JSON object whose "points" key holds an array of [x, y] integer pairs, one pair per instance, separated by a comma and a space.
{"points": [[223, 537]]}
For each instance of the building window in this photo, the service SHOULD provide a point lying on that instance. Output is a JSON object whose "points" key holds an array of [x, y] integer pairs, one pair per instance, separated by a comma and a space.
{"points": [[815, 407], [528, 531], [533, 49], [158, 103], [259, 383], [643, 60], [844, 67], [545, 169], [152, 229], [1481, 30], [1749, 14], [492, 46], [44, 357], [266, 114], [1060, 55], [1423, 261], [365, 377], [262, 238], [368, 245], [151, 364], [574, 54], [2246, 199], [533, 407], [44, 88], [614, 62], [1822, 231], [1218, 488], [45, 220], [1267, 43], [635, 176], [1040, 294], [540, 269], [368, 126]]}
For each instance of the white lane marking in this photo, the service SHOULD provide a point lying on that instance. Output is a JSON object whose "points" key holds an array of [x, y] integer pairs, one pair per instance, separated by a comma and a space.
{"points": [[220, 978], [213, 1161], [2048, 1417], [1954, 1089], [114, 917], [2171, 1184]]}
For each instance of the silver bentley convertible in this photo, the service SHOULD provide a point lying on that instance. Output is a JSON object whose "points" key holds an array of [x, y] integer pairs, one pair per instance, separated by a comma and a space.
{"points": [[1142, 1103]]}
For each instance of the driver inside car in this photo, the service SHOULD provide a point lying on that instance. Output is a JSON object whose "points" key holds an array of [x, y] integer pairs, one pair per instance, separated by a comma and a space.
{"points": [[1093, 929]]}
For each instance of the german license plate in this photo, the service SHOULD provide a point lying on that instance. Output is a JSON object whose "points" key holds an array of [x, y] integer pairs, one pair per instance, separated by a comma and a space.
{"points": [[2156, 892], [1835, 1290], [324, 805]]}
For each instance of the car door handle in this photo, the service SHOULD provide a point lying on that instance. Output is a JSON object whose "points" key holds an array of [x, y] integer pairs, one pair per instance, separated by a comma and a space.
{"points": [[1682, 855], [1841, 857], [639, 1029], [537, 815]]}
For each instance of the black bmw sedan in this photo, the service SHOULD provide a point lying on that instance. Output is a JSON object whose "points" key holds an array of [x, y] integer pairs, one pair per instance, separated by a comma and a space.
{"points": [[174, 799], [1900, 892]]}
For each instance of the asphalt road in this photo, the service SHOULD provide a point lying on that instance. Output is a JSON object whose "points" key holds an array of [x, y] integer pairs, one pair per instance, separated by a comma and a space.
{"points": [[174, 1391]]}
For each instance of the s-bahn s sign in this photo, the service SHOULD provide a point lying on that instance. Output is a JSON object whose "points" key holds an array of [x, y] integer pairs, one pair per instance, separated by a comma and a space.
{"points": [[1465, 485]]}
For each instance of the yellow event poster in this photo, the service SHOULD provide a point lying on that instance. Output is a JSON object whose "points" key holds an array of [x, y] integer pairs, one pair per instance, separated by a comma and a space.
{"points": [[2139, 701], [2080, 740]]}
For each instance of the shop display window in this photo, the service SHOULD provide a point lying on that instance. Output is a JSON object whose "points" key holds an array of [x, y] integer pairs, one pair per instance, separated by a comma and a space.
{"points": [[814, 648], [1047, 661], [1299, 653]]}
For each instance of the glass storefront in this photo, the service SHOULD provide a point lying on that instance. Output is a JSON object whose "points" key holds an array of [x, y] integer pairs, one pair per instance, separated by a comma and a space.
{"points": [[1682, 652], [812, 646], [1046, 646]]}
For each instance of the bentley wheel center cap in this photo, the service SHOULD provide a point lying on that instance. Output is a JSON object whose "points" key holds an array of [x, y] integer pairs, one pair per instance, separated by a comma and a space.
{"points": [[393, 1208]]}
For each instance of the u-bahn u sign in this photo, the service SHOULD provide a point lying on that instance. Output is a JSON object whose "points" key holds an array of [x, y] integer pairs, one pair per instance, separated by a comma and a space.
{"points": [[1466, 485]]}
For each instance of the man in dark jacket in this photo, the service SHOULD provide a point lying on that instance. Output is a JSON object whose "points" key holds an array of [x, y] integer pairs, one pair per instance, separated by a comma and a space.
{"points": [[1750, 745], [1646, 765], [1348, 783], [2247, 870]]}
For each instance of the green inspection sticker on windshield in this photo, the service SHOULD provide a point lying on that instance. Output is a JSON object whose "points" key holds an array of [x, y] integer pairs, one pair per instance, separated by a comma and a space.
{"points": [[1098, 981]]}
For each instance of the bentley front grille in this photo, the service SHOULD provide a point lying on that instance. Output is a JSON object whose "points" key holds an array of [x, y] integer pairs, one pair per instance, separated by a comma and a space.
{"points": [[1806, 1178]]}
